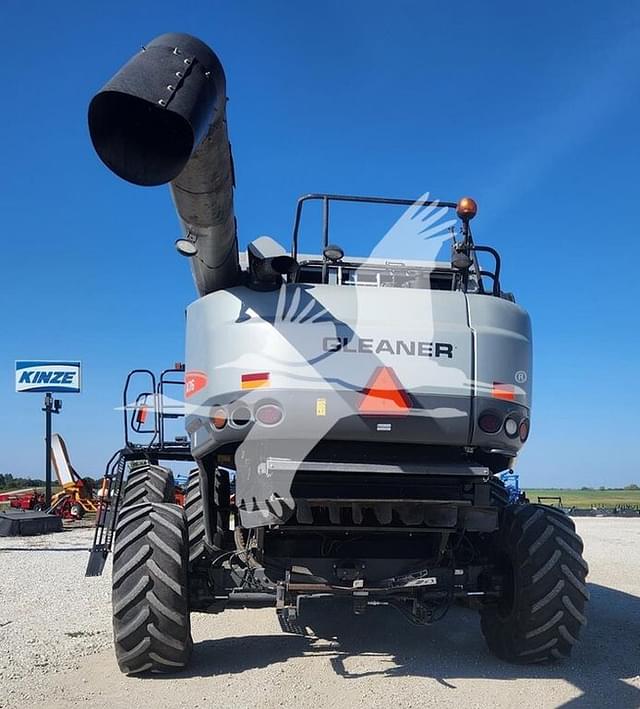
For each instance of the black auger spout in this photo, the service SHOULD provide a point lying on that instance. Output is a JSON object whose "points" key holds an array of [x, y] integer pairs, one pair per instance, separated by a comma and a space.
{"points": [[162, 119]]}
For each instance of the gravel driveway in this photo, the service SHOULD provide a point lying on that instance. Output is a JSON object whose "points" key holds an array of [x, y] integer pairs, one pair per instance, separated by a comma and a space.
{"points": [[55, 636]]}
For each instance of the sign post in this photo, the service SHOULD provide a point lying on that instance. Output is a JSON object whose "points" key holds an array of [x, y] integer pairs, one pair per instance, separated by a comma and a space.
{"points": [[48, 377], [51, 406]]}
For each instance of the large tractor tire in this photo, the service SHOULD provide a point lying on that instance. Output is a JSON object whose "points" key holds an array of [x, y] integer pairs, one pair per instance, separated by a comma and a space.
{"points": [[151, 625], [194, 512], [542, 613], [149, 483]]}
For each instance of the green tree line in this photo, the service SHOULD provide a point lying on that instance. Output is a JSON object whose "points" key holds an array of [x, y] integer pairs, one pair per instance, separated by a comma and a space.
{"points": [[8, 482]]}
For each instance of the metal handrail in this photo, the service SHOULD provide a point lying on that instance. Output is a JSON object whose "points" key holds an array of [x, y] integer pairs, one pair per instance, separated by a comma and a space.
{"points": [[328, 198]]}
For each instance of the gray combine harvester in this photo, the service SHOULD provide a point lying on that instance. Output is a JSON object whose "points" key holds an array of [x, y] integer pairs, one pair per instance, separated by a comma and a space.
{"points": [[348, 416]]}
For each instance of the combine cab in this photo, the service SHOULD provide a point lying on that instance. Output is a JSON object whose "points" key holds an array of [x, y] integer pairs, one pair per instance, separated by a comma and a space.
{"points": [[348, 416]]}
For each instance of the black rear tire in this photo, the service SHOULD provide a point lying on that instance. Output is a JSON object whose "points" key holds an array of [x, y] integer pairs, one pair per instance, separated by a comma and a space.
{"points": [[194, 512], [542, 613], [151, 625], [149, 483]]}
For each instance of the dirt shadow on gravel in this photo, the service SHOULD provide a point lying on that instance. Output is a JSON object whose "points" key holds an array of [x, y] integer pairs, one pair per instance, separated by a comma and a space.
{"points": [[448, 651]]}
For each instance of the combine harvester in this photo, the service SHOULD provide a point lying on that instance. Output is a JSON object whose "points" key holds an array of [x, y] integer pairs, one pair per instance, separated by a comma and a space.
{"points": [[363, 407]]}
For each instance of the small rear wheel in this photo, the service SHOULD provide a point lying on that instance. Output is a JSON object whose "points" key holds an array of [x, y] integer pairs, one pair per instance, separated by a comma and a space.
{"points": [[194, 512], [76, 510], [151, 625], [542, 612], [498, 492]]}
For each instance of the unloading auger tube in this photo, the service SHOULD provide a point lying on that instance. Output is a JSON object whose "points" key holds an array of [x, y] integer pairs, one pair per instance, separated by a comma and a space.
{"points": [[162, 119]]}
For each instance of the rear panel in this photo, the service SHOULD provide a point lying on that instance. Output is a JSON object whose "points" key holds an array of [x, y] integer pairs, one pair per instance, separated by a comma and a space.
{"points": [[318, 348], [502, 345], [399, 372]]}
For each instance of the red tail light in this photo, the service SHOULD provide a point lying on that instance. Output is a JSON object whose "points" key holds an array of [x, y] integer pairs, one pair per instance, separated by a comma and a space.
{"points": [[490, 421], [269, 414]]}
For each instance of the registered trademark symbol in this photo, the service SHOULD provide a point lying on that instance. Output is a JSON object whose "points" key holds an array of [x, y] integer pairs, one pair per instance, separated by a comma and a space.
{"points": [[521, 377]]}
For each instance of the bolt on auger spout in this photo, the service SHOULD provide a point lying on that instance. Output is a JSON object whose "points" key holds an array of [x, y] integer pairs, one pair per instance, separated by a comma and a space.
{"points": [[161, 119]]}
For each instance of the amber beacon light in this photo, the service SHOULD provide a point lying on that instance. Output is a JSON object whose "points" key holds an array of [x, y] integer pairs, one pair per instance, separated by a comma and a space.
{"points": [[467, 208]]}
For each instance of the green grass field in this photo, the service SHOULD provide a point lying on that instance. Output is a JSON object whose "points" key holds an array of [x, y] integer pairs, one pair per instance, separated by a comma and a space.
{"points": [[587, 498], [570, 498], [39, 488]]}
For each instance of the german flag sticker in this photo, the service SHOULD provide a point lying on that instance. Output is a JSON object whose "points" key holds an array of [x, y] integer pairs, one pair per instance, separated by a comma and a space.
{"points": [[254, 380]]}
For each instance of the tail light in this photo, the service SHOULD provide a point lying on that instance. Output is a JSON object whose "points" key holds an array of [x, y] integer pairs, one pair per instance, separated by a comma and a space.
{"points": [[523, 430], [240, 417], [511, 427], [269, 414], [490, 421], [219, 418]]}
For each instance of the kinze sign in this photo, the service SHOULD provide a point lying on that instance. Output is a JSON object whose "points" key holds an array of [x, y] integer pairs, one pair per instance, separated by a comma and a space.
{"points": [[48, 376]]}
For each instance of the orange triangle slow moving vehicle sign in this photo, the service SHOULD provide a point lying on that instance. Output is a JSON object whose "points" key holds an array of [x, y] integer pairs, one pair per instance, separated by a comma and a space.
{"points": [[384, 394]]}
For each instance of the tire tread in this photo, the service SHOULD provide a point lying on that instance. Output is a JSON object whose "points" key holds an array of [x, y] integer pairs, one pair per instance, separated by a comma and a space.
{"points": [[550, 591], [148, 483], [194, 512], [151, 624]]}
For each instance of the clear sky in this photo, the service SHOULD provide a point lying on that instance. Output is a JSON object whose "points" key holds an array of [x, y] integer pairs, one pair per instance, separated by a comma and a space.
{"points": [[534, 109]]}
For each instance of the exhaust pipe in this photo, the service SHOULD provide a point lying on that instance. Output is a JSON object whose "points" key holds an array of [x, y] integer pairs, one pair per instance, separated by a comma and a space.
{"points": [[162, 119]]}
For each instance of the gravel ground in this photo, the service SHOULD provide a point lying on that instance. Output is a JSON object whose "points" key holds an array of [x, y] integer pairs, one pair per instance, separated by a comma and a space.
{"points": [[55, 636]]}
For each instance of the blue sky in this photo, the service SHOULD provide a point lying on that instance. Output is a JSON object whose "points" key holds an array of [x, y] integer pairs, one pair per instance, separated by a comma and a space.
{"points": [[532, 109]]}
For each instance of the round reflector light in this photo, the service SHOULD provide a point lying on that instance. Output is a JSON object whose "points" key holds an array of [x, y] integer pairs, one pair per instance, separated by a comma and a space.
{"points": [[490, 422], [269, 414], [511, 427], [523, 430]]}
